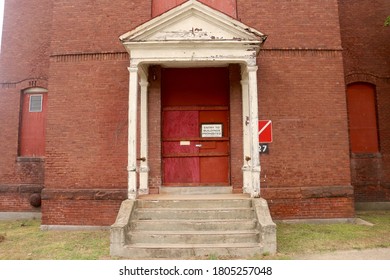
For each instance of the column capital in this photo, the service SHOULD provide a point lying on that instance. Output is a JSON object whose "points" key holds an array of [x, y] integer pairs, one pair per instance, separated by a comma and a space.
{"points": [[143, 83], [244, 82], [252, 68], [133, 69]]}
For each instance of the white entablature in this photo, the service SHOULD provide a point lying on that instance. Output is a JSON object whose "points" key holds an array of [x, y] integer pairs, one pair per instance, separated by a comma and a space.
{"points": [[193, 32]]}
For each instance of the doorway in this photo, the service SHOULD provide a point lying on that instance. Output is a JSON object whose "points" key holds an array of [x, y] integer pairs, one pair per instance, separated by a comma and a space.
{"points": [[195, 126]]}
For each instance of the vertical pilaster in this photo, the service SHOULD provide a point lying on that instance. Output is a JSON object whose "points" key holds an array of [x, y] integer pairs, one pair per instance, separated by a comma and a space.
{"points": [[144, 166], [132, 133], [253, 131], [246, 133]]}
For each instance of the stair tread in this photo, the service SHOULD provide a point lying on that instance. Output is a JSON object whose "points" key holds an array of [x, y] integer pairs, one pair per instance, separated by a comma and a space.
{"points": [[192, 209], [157, 197], [196, 220], [198, 232], [185, 246], [198, 198]]}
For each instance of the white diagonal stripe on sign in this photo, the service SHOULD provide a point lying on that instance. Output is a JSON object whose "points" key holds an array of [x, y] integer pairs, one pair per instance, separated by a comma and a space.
{"points": [[264, 127]]}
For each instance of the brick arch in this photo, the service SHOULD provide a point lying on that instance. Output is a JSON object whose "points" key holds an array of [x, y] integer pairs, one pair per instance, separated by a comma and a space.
{"points": [[361, 78], [26, 84]]}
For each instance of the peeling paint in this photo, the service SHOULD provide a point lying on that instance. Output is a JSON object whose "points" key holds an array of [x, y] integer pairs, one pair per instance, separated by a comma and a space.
{"points": [[194, 33]]}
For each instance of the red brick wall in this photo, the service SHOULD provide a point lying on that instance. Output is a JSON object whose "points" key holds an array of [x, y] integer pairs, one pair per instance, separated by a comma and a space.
{"points": [[293, 24], [9, 116], [18, 198], [89, 98], [92, 207], [228, 7], [15, 173], [301, 88], [16, 202], [319, 208], [154, 114], [236, 129], [86, 138], [24, 63], [302, 92], [80, 212], [26, 39], [84, 26], [12, 169], [366, 59], [310, 202]]}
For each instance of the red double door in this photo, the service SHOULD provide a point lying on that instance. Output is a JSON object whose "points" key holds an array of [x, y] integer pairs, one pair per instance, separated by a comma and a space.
{"points": [[195, 127]]}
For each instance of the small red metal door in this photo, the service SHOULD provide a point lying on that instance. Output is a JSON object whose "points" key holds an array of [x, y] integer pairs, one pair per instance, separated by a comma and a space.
{"points": [[195, 128], [32, 128]]}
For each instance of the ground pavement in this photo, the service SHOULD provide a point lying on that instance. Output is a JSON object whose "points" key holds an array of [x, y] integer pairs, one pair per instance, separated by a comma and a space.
{"points": [[367, 254]]}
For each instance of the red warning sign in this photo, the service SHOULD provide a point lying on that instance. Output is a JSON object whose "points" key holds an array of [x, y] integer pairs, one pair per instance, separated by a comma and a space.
{"points": [[265, 131]]}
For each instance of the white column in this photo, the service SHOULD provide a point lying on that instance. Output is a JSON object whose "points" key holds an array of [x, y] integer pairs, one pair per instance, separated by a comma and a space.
{"points": [[132, 134], [254, 128], [246, 135], [144, 167]]}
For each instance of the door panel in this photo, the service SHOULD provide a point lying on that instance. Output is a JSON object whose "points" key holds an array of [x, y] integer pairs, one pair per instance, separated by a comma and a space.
{"points": [[214, 148], [180, 148], [179, 124], [214, 170], [180, 156], [185, 87], [181, 170]]}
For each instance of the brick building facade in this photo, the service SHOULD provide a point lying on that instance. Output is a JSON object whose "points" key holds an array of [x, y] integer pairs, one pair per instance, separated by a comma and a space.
{"points": [[66, 57]]}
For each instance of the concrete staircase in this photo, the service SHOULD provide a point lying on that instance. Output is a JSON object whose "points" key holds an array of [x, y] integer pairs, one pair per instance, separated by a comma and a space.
{"points": [[192, 226]]}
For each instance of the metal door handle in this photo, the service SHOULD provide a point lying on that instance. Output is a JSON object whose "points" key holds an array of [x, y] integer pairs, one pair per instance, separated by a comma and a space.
{"points": [[198, 145]]}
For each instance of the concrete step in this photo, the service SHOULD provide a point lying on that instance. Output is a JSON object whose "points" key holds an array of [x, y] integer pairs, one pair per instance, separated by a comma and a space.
{"points": [[190, 226], [186, 251], [209, 190], [195, 203], [192, 213], [193, 237], [165, 225]]}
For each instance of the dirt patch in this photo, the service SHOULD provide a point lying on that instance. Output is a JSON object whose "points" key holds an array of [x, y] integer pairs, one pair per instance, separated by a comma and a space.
{"points": [[2, 238]]}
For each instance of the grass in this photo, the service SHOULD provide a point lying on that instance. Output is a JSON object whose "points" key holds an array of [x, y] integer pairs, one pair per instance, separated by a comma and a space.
{"points": [[23, 240], [309, 238]]}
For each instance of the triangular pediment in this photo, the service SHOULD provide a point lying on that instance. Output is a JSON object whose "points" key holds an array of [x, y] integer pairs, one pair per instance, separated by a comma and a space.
{"points": [[193, 21]]}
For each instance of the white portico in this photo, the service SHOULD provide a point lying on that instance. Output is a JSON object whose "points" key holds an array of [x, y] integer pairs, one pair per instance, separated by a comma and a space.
{"points": [[191, 35]]}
